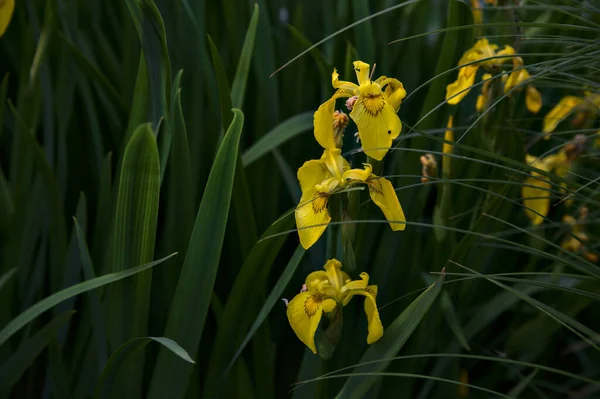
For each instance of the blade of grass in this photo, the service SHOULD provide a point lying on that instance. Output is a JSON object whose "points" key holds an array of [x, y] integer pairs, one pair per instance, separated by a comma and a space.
{"points": [[194, 289], [238, 87]]}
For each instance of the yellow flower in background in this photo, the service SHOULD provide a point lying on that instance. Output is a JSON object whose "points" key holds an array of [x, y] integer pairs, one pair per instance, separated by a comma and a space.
{"points": [[519, 76], [7, 7], [320, 178], [577, 240], [324, 292], [536, 188], [586, 107], [373, 106], [476, 56], [447, 148]]}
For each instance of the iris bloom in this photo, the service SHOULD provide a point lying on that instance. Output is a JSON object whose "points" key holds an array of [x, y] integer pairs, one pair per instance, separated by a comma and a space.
{"points": [[536, 188], [320, 178], [589, 105], [533, 98], [324, 292], [577, 240], [6, 11], [476, 56], [373, 105]]}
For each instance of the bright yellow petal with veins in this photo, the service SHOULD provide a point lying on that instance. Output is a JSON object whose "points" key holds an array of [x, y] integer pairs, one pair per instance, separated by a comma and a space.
{"points": [[304, 313], [459, 89], [333, 268], [374, 324], [362, 70], [560, 112], [384, 196], [533, 99], [537, 198], [377, 122], [395, 92], [7, 7], [341, 84], [323, 120], [312, 209]]}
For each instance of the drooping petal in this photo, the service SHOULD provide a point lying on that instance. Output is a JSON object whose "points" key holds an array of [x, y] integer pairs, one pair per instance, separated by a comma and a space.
{"points": [[459, 89], [304, 313], [312, 218], [377, 122], [312, 209], [351, 286], [533, 99], [341, 84], [374, 325], [537, 198], [395, 92], [323, 120], [560, 112], [7, 7], [362, 70], [384, 196]]}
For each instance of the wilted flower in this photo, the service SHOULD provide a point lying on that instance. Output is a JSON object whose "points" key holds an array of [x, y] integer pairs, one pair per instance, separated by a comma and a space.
{"points": [[340, 121], [430, 168], [373, 111], [327, 291]]}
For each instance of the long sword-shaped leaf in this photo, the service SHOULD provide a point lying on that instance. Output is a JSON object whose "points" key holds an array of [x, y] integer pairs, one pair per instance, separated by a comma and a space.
{"points": [[393, 339], [127, 350], [238, 87], [194, 289], [21, 320], [15, 366]]}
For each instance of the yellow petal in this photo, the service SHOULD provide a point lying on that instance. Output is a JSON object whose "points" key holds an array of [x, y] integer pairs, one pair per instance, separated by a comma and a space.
{"points": [[362, 70], [7, 7], [537, 198], [480, 104], [333, 268], [458, 90], [358, 174], [304, 313], [394, 90], [477, 12], [377, 122], [384, 196], [560, 112], [533, 99], [334, 161], [373, 321], [341, 84], [447, 148], [507, 50], [515, 79], [323, 120], [312, 209], [350, 286]]}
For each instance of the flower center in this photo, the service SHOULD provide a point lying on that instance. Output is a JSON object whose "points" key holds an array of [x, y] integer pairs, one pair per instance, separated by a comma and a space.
{"points": [[319, 202], [312, 303]]}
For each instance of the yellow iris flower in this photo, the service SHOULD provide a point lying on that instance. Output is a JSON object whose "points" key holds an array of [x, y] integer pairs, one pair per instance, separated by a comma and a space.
{"points": [[7, 8], [476, 56], [589, 105], [533, 98], [536, 188], [320, 178], [373, 104], [322, 293]]}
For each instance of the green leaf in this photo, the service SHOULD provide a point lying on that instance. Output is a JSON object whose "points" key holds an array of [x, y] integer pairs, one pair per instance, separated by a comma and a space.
{"points": [[222, 84], [127, 350], [34, 311], [194, 289], [394, 338], [272, 299], [238, 87], [281, 133], [21, 359]]}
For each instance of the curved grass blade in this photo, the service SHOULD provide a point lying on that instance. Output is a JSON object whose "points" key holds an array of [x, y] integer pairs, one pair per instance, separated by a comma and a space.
{"points": [[281, 133], [127, 350], [394, 338], [238, 87], [6, 277], [47, 303], [194, 289], [12, 369], [222, 84]]}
